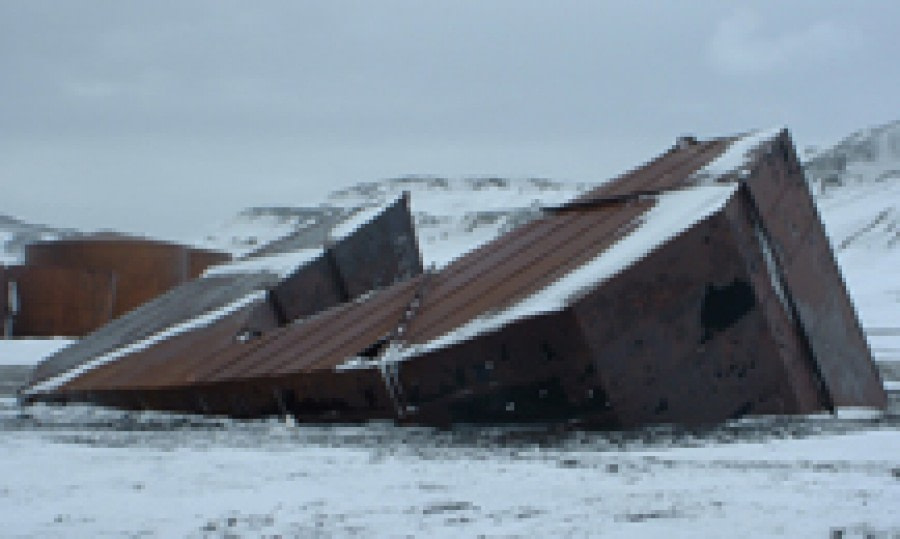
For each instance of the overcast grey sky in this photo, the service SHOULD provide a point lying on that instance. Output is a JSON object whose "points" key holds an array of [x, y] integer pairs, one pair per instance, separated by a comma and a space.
{"points": [[164, 117]]}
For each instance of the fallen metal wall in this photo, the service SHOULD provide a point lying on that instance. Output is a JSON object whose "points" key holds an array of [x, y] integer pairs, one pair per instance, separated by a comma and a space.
{"points": [[789, 219], [379, 253], [681, 336], [536, 369]]}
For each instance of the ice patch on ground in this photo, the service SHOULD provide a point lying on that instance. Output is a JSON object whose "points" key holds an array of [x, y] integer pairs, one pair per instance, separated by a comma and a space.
{"points": [[30, 351]]}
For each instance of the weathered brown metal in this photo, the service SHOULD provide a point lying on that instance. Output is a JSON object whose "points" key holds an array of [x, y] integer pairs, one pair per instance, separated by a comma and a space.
{"points": [[742, 313], [671, 170], [143, 269], [199, 260], [182, 303], [363, 259], [380, 253], [58, 301], [818, 295]]}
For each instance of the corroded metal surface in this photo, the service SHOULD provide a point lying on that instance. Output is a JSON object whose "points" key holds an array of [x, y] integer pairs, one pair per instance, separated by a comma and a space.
{"points": [[177, 305], [788, 215], [58, 301], [671, 170], [380, 251], [742, 313]]}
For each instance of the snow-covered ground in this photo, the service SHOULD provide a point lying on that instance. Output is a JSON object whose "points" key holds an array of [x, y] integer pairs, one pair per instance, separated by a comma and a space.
{"points": [[83, 472], [86, 472]]}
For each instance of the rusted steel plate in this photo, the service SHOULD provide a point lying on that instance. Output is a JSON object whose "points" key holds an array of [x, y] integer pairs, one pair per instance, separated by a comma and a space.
{"points": [[787, 212], [770, 289], [524, 264], [668, 171], [166, 359], [311, 288], [537, 369], [681, 337], [382, 252], [58, 301], [322, 341], [143, 269]]}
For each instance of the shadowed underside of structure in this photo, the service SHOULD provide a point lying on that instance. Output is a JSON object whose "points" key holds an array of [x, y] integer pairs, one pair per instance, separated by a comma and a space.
{"points": [[696, 288]]}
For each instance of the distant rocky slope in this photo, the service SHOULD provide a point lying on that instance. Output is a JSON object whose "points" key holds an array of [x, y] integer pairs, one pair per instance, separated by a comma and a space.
{"points": [[452, 215], [857, 186], [857, 183], [15, 234]]}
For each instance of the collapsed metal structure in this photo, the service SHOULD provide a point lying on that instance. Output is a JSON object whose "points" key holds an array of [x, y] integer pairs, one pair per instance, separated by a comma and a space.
{"points": [[696, 288]]}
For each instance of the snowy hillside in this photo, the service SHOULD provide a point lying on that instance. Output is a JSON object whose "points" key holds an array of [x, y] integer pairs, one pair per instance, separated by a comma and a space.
{"points": [[452, 215], [857, 186], [15, 234]]}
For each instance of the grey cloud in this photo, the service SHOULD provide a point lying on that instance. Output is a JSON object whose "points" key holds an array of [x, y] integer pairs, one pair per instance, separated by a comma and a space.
{"points": [[185, 111]]}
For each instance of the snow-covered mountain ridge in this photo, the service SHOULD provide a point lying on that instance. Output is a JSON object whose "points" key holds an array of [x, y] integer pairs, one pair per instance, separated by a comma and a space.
{"points": [[452, 216], [15, 234], [857, 188], [857, 184]]}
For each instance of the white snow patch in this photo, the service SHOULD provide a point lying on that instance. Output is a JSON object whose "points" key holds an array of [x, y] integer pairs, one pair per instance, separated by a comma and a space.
{"points": [[673, 213], [857, 413], [282, 264], [203, 320], [377, 480], [29, 351], [357, 220], [737, 155]]}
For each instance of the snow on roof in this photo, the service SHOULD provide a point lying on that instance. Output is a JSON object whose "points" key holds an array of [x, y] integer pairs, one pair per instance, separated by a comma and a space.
{"points": [[737, 155], [206, 319], [282, 264], [358, 219], [674, 212]]}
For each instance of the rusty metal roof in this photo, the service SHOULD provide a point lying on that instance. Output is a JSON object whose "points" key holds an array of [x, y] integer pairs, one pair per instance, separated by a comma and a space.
{"points": [[671, 170]]}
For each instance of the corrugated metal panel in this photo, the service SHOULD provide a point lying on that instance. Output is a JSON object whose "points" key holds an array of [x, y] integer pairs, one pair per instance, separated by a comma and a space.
{"points": [[179, 304], [317, 342], [166, 359], [670, 170]]}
